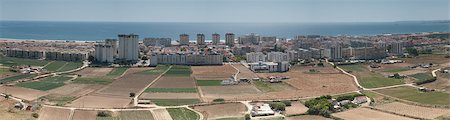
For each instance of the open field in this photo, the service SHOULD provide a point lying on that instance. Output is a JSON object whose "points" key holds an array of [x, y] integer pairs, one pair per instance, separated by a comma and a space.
{"points": [[367, 114], [222, 110], [273, 87], [23, 93], [412, 94], [117, 71], [14, 114], [412, 110], [209, 82], [213, 72], [182, 114], [161, 114], [46, 83], [169, 96], [244, 72], [370, 79], [75, 90], [426, 58], [308, 117], [54, 65], [136, 115], [158, 70], [95, 72], [9, 61], [49, 113], [62, 66], [422, 76], [84, 115], [16, 77], [5, 72], [296, 108], [174, 102], [179, 71], [56, 99], [174, 82], [70, 66], [393, 68], [171, 90], [442, 82], [229, 92], [92, 101], [93, 80]]}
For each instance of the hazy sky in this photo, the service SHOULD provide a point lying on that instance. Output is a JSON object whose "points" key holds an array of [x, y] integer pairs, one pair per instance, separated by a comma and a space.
{"points": [[225, 10]]}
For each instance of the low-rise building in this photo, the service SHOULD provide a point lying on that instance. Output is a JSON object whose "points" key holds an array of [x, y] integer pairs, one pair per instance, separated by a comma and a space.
{"points": [[255, 57], [269, 66]]}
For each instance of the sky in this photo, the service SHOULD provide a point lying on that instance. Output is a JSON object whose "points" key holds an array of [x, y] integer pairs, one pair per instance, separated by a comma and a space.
{"points": [[225, 10]]}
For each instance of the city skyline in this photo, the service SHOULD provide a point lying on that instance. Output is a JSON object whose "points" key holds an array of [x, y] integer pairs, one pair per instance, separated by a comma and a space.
{"points": [[225, 10]]}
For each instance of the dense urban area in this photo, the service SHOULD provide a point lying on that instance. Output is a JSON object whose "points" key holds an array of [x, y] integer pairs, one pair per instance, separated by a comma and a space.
{"points": [[230, 77]]}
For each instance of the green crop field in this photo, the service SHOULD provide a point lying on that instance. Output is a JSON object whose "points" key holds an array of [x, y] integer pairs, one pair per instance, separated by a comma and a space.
{"points": [[117, 71], [412, 94], [16, 77], [158, 70], [179, 71], [55, 65], [422, 76], [272, 87], [93, 80], [5, 71], [174, 102], [71, 66], [396, 70], [46, 83], [182, 114], [370, 79], [9, 61], [209, 82], [172, 90], [136, 115]]}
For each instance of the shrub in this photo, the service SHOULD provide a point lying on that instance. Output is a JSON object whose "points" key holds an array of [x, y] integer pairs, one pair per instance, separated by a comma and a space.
{"points": [[247, 117], [426, 81], [35, 115], [277, 106], [132, 94], [219, 100], [287, 102], [103, 114]]}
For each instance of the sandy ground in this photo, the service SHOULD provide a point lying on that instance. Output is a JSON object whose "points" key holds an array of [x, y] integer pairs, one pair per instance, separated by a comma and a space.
{"points": [[174, 82], [84, 115], [412, 110], [23, 93], [367, 114], [308, 117], [222, 110], [92, 101], [47, 113], [94, 72], [170, 95], [244, 72], [213, 72], [241, 92], [161, 114], [296, 108], [76, 89], [5, 114], [131, 82]]}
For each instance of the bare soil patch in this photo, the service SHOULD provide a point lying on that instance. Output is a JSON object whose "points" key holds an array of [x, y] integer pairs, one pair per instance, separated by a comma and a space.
{"points": [[169, 95], [244, 72], [50, 113], [94, 72], [296, 108], [241, 92], [174, 82], [367, 114], [412, 110], [84, 115], [23, 93], [130, 83], [92, 101], [308, 117], [76, 90], [161, 114], [222, 110], [213, 72]]}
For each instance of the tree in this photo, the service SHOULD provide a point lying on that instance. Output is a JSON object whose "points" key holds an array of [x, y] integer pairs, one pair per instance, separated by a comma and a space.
{"points": [[132, 94], [412, 51], [144, 57], [103, 114], [35, 115], [219, 100], [287, 102], [91, 58], [277, 106]]}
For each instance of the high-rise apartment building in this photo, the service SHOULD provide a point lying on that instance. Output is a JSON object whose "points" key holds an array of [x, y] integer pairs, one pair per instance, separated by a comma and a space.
{"points": [[229, 39], [215, 39], [200, 39], [128, 47]]}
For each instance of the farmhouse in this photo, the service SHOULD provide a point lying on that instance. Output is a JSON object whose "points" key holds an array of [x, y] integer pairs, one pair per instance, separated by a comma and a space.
{"points": [[260, 109]]}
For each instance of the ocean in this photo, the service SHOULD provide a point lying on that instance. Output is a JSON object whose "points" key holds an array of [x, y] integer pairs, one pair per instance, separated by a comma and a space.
{"points": [[93, 31]]}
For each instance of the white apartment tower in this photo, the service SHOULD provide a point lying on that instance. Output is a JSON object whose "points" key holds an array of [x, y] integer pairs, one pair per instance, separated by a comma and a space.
{"points": [[128, 47], [229, 39], [113, 44], [336, 53], [215, 38], [104, 53], [200, 39]]}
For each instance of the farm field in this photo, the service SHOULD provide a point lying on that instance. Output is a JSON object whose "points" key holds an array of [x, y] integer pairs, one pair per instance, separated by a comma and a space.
{"points": [[6, 104], [182, 114], [179, 71], [9, 61], [273, 87], [16, 77], [367, 114], [422, 76], [70, 66], [136, 115], [412, 110], [84, 115], [213, 72], [174, 102], [442, 82], [232, 118], [225, 110], [161, 114], [54, 65], [23, 93], [96, 72], [308, 117], [412, 94], [169, 96], [49, 113], [55, 99], [46, 83], [209, 82], [296, 108], [75, 90], [171, 90], [229, 92], [370, 79], [117, 71], [244, 72], [93, 101], [426, 58], [93, 80], [157, 71], [174, 82]]}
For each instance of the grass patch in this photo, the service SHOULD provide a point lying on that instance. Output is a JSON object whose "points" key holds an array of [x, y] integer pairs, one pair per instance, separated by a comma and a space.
{"points": [[136, 115], [396, 70], [412, 94], [272, 87], [117, 71], [5, 71], [93, 80], [178, 70], [353, 67], [209, 82], [106, 118], [55, 65], [375, 80], [158, 70], [16, 77], [46, 83], [172, 90], [174, 102], [9, 61], [60, 100], [71, 66], [232, 118], [182, 114]]}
